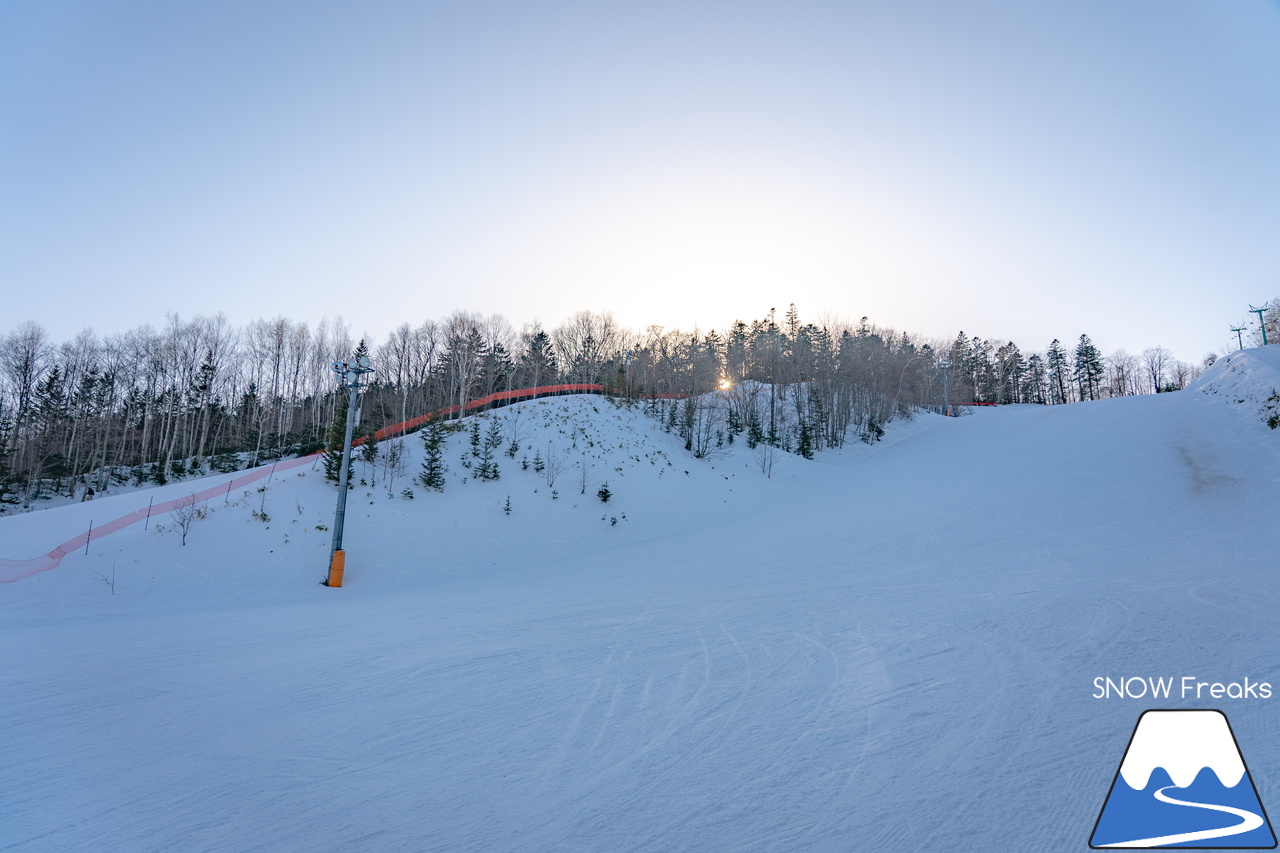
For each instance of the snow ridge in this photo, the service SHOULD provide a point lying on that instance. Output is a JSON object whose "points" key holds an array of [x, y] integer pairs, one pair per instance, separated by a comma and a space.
{"points": [[1249, 377]]}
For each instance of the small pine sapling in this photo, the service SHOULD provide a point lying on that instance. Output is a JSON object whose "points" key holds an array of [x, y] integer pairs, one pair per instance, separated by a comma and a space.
{"points": [[488, 467], [432, 474]]}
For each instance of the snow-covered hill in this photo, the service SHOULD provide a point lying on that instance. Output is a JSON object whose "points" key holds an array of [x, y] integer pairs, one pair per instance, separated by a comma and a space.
{"points": [[1249, 378], [891, 647]]}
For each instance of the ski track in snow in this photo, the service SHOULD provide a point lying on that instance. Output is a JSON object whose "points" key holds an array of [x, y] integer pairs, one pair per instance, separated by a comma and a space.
{"points": [[1248, 821], [889, 648]]}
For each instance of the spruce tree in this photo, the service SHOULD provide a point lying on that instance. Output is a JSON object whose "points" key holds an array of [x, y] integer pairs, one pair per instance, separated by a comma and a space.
{"points": [[1033, 389], [432, 474], [337, 435], [538, 364], [496, 367], [755, 432], [1089, 369], [1057, 363], [488, 467], [475, 439], [817, 420], [734, 427], [804, 444]]}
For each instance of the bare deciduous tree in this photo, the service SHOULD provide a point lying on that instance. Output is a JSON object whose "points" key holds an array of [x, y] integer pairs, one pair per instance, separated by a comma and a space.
{"points": [[555, 464], [186, 514], [765, 454]]}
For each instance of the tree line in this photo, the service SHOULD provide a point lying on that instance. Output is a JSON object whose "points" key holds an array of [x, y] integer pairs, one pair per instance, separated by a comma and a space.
{"points": [[989, 373], [200, 395]]}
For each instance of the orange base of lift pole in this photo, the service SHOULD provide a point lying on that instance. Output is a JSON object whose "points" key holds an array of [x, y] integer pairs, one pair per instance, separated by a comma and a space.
{"points": [[336, 566]]}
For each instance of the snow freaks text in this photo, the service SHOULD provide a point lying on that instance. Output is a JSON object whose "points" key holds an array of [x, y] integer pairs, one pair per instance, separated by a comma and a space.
{"points": [[1186, 687]]}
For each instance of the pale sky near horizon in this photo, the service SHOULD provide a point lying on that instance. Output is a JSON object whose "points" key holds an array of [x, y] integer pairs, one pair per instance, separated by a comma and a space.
{"points": [[1015, 170]]}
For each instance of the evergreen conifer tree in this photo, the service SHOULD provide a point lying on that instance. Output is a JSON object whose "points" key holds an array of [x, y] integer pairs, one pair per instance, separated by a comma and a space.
{"points": [[1056, 361], [804, 444], [1089, 368], [688, 418], [432, 474], [818, 420], [337, 435], [538, 363], [755, 432], [488, 467], [1033, 390]]}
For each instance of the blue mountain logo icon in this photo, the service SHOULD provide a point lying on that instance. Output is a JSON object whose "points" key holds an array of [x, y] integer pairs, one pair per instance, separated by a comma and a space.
{"points": [[1183, 783]]}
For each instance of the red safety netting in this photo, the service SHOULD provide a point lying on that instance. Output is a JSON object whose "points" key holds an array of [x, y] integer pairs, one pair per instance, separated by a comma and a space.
{"points": [[15, 570]]}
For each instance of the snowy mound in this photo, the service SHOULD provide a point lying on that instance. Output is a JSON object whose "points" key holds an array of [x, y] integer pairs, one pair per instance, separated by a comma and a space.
{"points": [[1248, 378], [1183, 743], [584, 469]]}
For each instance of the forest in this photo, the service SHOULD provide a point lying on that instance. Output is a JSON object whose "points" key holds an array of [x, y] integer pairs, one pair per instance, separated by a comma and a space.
{"points": [[201, 395]]}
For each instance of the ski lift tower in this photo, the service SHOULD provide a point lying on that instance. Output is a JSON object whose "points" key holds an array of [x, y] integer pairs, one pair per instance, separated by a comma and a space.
{"points": [[1261, 324], [1239, 330], [353, 378]]}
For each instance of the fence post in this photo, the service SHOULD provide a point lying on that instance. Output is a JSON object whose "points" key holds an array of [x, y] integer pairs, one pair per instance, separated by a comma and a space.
{"points": [[148, 518], [87, 537]]}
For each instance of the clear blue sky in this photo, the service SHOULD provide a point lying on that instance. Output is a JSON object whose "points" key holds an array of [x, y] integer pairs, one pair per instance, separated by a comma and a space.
{"points": [[1022, 170]]}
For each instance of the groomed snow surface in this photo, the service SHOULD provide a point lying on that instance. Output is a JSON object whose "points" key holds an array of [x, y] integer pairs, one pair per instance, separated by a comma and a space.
{"points": [[890, 647]]}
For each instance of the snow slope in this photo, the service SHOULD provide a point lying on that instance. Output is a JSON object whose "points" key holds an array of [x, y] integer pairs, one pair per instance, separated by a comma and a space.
{"points": [[1249, 378], [887, 648]]}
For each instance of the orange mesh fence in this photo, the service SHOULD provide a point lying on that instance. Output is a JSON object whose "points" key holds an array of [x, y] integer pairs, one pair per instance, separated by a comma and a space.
{"points": [[15, 570], [499, 398]]}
